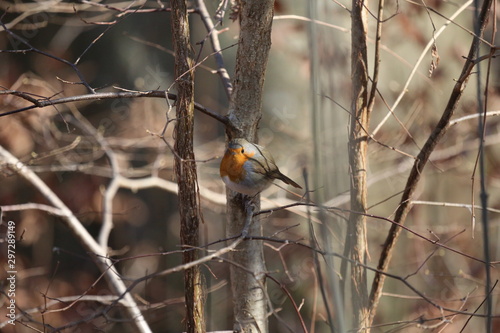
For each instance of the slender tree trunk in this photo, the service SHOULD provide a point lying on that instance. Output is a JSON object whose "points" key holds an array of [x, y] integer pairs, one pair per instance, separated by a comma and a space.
{"points": [[247, 279], [185, 167], [358, 143]]}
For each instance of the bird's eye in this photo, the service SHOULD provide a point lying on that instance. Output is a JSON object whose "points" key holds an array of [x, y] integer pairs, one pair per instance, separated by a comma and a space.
{"points": [[242, 150]]}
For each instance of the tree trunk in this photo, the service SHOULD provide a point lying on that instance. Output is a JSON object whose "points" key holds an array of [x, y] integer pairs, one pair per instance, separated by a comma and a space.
{"points": [[248, 284], [358, 143], [185, 166]]}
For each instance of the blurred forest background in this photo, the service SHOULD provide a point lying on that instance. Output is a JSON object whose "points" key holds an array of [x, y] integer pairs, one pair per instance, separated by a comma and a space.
{"points": [[124, 46]]}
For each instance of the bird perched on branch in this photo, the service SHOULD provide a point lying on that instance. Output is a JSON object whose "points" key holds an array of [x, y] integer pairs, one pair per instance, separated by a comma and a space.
{"points": [[249, 168]]}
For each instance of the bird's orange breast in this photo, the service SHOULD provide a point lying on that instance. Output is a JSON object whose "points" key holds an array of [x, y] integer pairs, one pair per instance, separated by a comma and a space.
{"points": [[232, 164]]}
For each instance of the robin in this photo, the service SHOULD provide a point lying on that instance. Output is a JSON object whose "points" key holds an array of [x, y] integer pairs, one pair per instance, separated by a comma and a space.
{"points": [[249, 168]]}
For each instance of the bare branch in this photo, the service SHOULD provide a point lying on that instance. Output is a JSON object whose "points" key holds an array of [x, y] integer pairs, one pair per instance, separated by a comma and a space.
{"points": [[42, 103], [46, 54], [422, 159], [214, 40], [417, 64], [81, 234]]}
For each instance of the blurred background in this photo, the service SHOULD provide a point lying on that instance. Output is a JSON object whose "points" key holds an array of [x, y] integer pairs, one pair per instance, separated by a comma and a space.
{"points": [[304, 124]]}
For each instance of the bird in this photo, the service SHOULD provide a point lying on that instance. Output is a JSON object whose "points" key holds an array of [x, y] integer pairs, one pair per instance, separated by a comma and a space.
{"points": [[249, 169]]}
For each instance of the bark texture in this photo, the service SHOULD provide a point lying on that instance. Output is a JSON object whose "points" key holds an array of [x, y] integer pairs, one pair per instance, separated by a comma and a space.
{"points": [[247, 272], [358, 144], [185, 166]]}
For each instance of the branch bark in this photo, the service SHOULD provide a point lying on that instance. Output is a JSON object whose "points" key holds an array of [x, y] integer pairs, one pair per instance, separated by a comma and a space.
{"points": [[214, 40], [422, 159], [250, 305], [358, 144], [97, 252], [48, 101], [185, 166]]}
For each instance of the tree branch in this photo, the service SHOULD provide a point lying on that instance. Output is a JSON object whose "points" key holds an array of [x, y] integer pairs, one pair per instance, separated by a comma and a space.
{"points": [[76, 227], [45, 102], [214, 40], [422, 159]]}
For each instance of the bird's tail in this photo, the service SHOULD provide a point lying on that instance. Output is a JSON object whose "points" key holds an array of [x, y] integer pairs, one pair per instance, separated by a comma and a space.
{"points": [[288, 181]]}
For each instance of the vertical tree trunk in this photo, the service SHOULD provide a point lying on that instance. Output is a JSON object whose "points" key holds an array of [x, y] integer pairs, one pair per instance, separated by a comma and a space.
{"points": [[249, 297], [358, 142], [185, 166]]}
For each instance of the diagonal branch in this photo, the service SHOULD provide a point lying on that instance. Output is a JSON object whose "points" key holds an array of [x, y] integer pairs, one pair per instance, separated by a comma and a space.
{"points": [[76, 227], [422, 159], [214, 40]]}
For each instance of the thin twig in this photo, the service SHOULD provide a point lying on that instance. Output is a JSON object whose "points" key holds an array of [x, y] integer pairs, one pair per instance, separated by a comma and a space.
{"points": [[107, 200], [414, 289], [479, 306], [290, 297], [451, 204], [41, 103], [376, 62], [213, 34], [394, 223], [474, 116], [31, 205], [420, 59], [34, 49], [317, 265]]}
